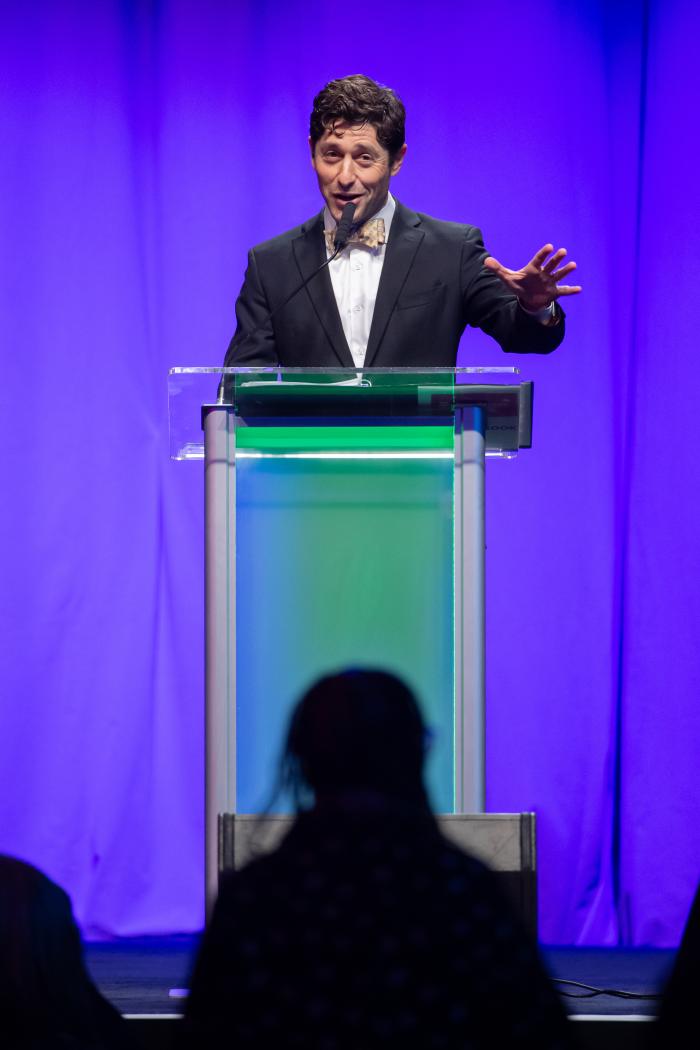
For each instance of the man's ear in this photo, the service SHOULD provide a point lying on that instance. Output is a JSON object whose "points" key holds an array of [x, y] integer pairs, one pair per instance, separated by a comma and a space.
{"points": [[311, 147], [395, 167]]}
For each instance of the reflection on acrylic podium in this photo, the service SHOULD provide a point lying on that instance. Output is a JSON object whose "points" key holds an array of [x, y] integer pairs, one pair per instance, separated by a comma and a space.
{"points": [[344, 527]]}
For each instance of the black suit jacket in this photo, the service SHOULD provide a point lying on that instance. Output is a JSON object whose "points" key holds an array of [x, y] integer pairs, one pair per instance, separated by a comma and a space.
{"points": [[433, 284]]}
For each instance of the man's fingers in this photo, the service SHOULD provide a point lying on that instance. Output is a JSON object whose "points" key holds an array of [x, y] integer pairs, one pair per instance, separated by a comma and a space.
{"points": [[552, 263], [559, 274], [541, 255], [568, 289], [546, 271], [501, 271]]}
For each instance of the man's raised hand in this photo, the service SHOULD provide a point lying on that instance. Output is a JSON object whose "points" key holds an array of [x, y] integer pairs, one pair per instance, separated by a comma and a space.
{"points": [[536, 285]]}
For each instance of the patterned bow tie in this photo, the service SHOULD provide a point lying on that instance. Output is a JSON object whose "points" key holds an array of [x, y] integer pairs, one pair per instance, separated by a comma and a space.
{"points": [[369, 235]]}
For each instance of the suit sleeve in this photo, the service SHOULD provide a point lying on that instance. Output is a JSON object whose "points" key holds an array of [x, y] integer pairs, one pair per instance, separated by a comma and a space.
{"points": [[253, 342], [489, 306]]}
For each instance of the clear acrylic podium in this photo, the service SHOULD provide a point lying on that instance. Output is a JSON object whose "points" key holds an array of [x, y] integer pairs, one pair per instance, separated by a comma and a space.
{"points": [[344, 525]]}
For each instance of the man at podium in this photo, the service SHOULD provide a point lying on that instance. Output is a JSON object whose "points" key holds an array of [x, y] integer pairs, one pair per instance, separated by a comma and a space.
{"points": [[399, 287]]}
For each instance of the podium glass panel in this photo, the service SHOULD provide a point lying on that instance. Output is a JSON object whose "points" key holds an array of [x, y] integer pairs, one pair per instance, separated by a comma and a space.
{"points": [[382, 391], [342, 558], [344, 527]]}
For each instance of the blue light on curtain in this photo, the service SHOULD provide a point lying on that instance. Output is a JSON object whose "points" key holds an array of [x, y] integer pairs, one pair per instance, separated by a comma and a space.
{"points": [[145, 148]]}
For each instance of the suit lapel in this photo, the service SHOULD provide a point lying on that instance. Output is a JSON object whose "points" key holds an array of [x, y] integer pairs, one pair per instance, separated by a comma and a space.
{"points": [[309, 252], [404, 240]]}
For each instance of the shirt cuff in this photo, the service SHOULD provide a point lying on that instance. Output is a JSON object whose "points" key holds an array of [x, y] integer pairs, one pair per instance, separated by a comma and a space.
{"points": [[544, 316]]}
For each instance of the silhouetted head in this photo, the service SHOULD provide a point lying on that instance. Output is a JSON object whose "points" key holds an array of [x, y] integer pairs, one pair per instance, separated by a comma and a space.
{"points": [[356, 732], [45, 991]]}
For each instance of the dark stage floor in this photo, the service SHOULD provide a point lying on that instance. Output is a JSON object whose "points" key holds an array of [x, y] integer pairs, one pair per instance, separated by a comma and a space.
{"points": [[138, 974]]}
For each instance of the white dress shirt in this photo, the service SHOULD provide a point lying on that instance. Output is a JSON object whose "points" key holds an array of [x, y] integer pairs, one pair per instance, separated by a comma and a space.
{"points": [[355, 278]]}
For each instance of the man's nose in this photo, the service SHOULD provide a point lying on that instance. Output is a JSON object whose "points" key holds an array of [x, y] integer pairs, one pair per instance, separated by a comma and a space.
{"points": [[346, 176]]}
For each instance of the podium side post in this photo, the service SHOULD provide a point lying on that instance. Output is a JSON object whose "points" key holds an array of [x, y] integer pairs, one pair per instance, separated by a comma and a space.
{"points": [[220, 633], [470, 784]]}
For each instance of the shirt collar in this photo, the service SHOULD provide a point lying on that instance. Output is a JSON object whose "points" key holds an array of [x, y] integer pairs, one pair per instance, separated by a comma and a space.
{"points": [[386, 213]]}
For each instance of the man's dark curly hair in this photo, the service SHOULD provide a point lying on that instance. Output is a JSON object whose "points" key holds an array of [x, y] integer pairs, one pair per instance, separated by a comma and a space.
{"points": [[359, 100]]}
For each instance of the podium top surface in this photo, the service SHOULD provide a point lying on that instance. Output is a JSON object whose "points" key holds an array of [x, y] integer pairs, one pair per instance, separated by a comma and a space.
{"points": [[260, 396], [283, 370]]}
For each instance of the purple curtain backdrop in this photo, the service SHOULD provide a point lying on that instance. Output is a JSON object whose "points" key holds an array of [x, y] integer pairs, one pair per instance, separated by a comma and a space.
{"points": [[145, 147]]}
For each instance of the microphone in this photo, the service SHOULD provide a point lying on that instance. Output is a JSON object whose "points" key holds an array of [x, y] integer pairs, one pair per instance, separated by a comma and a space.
{"points": [[342, 233]]}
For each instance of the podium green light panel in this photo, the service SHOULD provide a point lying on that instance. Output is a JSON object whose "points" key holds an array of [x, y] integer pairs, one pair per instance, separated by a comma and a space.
{"points": [[342, 558]]}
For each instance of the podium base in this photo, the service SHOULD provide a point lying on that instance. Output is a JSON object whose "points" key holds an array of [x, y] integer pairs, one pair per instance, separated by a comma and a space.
{"points": [[505, 842]]}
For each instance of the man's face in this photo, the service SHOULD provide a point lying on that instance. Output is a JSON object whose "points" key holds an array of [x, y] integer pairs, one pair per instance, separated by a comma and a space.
{"points": [[351, 165]]}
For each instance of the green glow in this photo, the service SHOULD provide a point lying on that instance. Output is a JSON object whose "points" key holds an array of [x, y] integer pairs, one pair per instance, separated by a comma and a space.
{"points": [[341, 563], [291, 439]]}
